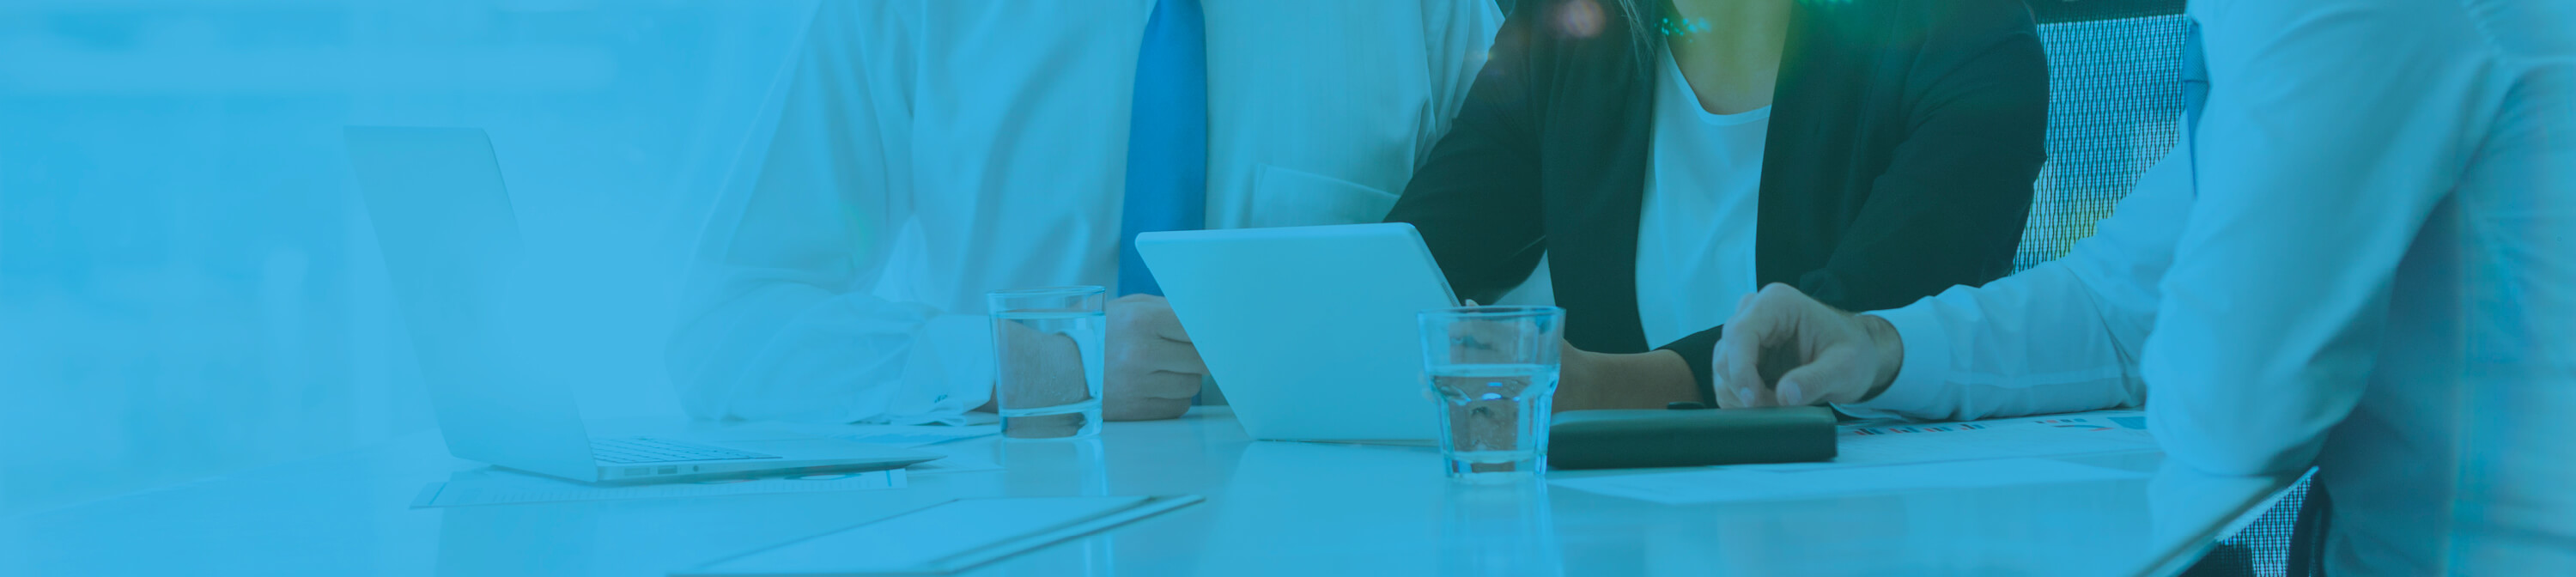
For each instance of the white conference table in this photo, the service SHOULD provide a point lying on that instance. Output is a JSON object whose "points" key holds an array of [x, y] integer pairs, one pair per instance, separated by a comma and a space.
{"points": [[1272, 508]]}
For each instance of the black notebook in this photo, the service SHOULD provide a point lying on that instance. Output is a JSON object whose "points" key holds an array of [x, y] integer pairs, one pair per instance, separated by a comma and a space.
{"points": [[1636, 438]]}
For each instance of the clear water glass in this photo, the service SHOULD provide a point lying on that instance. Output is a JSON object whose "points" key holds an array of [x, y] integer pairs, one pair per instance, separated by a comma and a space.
{"points": [[1048, 343], [1493, 370]]}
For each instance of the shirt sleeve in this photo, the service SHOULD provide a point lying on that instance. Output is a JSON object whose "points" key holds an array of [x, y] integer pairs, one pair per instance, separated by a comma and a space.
{"points": [[779, 319], [2332, 130], [1458, 37], [1475, 197], [2063, 336]]}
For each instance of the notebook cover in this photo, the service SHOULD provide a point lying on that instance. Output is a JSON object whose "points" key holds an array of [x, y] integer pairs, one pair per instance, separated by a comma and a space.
{"points": [[1639, 438]]}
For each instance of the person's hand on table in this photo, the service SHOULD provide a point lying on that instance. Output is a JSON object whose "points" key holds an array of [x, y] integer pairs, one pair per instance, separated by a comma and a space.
{"points": [[1153, 369], [1782, 348]]}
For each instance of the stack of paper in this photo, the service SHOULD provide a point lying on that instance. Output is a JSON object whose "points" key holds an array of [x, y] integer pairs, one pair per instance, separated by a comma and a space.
{"points": [[912, 435], [944, 538], [1876, 444], [496, 486], [1721, 485]]}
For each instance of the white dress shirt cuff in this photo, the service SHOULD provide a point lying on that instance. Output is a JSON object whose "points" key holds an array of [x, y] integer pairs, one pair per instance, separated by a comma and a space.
{"points": [[1927, 365], [955, 377]]}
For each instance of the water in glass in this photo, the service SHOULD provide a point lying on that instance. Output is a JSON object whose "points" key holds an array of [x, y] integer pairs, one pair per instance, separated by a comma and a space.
{"points": [[1043, 396], [1493, 418]]}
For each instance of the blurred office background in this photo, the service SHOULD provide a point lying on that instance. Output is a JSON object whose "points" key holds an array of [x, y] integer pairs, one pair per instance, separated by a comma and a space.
{"points": [[188, 283]]}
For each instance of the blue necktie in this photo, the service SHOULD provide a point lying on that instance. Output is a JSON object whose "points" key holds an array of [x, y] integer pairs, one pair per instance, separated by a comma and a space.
{"points": [[1166, 137], [2195, 92]]}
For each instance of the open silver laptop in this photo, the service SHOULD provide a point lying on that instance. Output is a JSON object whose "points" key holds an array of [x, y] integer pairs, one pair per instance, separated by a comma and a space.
{"points": [[451, 244], [1311, 329]]}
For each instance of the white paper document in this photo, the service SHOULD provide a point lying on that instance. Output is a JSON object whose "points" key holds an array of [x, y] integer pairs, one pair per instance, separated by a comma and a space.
{"points": [[1725, 485], [944, 538], [721, 432], [913, 435], [495, 486], [1879, 444], [970, 460]]}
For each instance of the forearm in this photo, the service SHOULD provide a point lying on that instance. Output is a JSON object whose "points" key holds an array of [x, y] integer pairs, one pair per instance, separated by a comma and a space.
{"points": [[798, 353], [780, 321], [2035, 343], [2060, 337], [1648, 380]]}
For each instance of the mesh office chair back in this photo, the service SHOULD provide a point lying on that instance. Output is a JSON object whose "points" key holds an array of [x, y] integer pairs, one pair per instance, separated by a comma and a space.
{"points": [[2114, 75], [2115, 99]]}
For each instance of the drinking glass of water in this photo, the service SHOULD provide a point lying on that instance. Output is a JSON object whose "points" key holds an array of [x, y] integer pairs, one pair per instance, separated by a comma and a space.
{"points": [[1493, 369], [1048, 343]]}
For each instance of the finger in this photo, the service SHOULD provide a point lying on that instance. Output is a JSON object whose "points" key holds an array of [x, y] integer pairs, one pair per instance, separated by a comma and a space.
{"points": [[1153, 316], [1147, 333], [1721, 392], [1134, 362], [1142, 409], [1836, 376], [1754, 397], [1790, 393], [1738, 357], [1742, 302], [1047, 428], [1486, 341], [1169, 328], [1153, 396], [1717, 371], [1139, 360], [1758, 397], [1165, 355], [1166, 386]]}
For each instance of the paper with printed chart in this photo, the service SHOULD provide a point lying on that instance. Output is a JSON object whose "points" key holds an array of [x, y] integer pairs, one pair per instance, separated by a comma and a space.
{"points": [[1882, 456], [912, 435], [1733, 484], [1873, 444]]}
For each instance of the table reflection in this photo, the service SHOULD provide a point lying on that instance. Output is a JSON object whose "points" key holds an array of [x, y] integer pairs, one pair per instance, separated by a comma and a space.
{"points": [[1499, 529], [552, 539], [1078, 467]]}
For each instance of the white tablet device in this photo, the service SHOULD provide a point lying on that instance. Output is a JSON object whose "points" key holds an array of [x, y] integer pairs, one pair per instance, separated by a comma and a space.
{"points": [[1309, 330]]}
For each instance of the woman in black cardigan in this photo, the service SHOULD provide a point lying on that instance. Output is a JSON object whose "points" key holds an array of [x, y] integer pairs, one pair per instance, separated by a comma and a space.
{"points": [[1902, 139]]}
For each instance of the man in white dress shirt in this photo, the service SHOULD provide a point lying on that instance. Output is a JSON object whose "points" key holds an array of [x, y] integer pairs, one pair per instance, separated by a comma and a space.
{"points": [[920, 153], [2361, 258]]}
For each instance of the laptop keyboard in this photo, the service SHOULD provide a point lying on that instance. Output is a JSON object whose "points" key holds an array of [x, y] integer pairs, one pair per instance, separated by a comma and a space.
{"points": [[651, 450]]}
